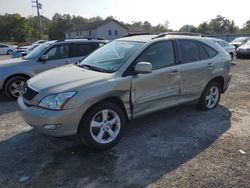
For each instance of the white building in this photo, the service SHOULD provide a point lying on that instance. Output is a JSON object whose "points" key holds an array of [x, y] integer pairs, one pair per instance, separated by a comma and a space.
{"points": [[108, 29]]}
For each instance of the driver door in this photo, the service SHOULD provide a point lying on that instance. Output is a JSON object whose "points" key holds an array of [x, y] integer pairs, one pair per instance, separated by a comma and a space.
{"points": [[58, 55], [161, 88]]}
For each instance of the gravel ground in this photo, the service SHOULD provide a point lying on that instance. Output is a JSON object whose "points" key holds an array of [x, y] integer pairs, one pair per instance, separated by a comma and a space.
{"points": [[177, 147]]}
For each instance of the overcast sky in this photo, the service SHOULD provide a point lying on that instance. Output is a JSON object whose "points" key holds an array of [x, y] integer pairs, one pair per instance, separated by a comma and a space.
{"points": [[177, 12]]}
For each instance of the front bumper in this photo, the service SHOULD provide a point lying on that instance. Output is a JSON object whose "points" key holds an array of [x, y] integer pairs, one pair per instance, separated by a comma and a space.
{"points": [[49, 122], [243, 52]]}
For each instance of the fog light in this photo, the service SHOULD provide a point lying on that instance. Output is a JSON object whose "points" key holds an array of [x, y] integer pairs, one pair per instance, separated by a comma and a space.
{"points": [[50, 127]]}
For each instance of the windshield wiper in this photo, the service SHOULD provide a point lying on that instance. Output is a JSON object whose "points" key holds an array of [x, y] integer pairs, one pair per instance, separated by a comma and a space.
{"points": [[90, 67]]}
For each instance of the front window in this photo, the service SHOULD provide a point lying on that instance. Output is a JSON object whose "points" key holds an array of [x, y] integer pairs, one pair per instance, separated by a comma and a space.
{"points": [[112, 56], [37, 51], [248, 43], [58, 52]]}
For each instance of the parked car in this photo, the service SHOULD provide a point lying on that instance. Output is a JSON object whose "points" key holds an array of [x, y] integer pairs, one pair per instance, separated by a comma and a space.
{"points": [[239, 41], [231, 49], [28, 46], [7, 49], [125, 79], [15, 72], [244, 50], [21, 52]]}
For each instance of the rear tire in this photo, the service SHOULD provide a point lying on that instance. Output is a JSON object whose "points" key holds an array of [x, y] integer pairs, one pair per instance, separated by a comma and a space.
{"points": [[14, 86], [102, 126], [210, 97]]}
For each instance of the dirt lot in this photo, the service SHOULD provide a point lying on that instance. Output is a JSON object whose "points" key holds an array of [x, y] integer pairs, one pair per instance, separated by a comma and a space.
{"points": [[177, 147]]}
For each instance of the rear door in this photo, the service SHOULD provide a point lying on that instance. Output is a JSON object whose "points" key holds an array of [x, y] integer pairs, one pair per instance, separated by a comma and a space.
{"points": [[160, 88], [78, 51], [197, 64]]}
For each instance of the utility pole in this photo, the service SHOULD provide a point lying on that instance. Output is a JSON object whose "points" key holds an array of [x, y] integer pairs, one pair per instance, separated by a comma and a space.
{"points": [[38, 6]]}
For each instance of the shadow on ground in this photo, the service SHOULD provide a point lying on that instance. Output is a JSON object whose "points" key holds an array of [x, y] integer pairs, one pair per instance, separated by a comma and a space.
{"points": [[151, 147], [7, 105]]}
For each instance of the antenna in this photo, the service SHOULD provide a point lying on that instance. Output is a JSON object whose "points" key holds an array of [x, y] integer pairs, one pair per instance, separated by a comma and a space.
{"points": [[38, 6]]}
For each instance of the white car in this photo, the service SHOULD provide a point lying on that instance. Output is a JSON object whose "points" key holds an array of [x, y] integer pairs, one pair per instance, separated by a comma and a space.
{"points": [[7, 49], [231, 49]]}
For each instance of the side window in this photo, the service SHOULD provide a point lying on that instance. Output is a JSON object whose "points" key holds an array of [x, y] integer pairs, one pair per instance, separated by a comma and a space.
{"points": [[211, 52], [58, 52], [221, 43], [226, 44], [206, 51], [159, 55], [203, 52], [83, 49], [189, 51]]}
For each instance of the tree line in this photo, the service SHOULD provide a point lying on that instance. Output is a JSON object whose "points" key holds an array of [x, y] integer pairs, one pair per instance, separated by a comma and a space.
{"points": [[14, 27]]}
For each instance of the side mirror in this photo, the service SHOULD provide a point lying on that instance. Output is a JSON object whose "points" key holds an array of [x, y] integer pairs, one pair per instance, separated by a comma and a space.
{"points": [[44, 58], [143, 68]]}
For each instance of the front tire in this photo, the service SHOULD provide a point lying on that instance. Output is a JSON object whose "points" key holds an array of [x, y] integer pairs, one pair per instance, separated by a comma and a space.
{"points": [[14, 86], [102, 126], [210, 97], [9, 52]]}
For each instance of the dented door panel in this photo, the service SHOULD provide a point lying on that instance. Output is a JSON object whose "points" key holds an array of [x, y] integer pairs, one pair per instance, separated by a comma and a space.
{"points": [[155, 91]]}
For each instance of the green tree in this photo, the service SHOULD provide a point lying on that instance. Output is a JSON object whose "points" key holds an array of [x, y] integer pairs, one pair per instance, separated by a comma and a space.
{"points": [[59, 24], [188, 28], [246, 27], [33, 22], [14, 27]]}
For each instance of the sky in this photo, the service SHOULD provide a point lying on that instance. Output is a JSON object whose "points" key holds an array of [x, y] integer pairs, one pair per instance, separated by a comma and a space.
{"points": [[176, 12]]}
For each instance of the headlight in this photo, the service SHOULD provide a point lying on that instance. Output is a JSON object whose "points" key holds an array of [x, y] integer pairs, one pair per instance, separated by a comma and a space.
{"points": [[56, 101]]}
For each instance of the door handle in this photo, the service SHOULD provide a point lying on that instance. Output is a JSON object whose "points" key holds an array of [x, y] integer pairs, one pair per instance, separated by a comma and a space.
{"points": [[67, 62], [210, 65], [174, 72]]}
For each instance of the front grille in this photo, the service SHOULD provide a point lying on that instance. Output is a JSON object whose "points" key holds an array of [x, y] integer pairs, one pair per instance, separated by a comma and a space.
{"points": [[28, 93]]}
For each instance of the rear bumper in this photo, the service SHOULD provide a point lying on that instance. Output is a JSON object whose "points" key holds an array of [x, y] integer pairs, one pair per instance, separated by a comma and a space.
{"points": [[49, 122], [227, 81]]}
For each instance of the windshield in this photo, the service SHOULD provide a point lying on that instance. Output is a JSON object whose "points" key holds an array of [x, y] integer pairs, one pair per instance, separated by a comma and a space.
{"points": [[239, 40], [37, 51], [111, 56], [247, 43]]}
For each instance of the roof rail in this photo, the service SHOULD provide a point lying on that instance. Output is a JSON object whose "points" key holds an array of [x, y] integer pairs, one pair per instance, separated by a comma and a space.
{"points": [[179, 33], [99, 38], [136, 34]]}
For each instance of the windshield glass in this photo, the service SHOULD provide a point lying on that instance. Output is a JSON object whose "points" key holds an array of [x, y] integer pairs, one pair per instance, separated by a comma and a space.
{"points": [[37, 51], [111, 56], [247, 43], [239, 40]]}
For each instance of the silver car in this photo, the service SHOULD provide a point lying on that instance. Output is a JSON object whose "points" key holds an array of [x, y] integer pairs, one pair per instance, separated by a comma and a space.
{"points": [[15, 72], [125, 79], [231, 49], [7, 49]]}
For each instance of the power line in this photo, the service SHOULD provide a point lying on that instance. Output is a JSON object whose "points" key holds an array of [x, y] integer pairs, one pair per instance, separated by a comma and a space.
{"points": [[38, 6]]}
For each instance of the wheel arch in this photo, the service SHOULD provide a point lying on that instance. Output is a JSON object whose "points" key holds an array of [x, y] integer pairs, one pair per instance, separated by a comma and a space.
{"points": [[113, 99], [15, 75], [219, 80]]}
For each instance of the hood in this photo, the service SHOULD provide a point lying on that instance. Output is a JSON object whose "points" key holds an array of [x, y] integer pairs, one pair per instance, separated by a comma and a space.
{"points": [[66, 78], [12, 62], [235, 43], [245, 46]]}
